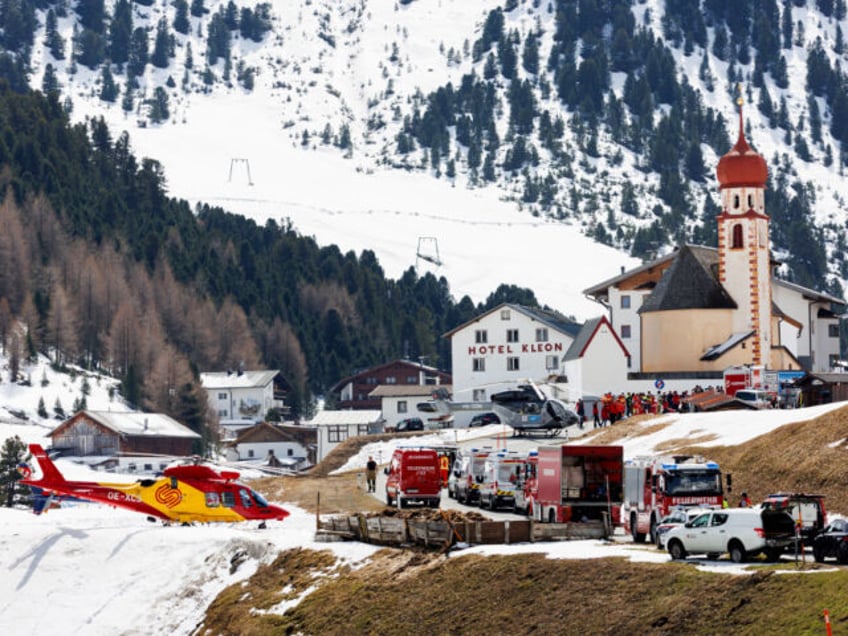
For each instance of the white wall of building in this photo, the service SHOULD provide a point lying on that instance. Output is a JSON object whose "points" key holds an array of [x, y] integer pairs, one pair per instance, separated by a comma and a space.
{"points": [[624, 306], [604, 363], [502, 349], [242, 403]]}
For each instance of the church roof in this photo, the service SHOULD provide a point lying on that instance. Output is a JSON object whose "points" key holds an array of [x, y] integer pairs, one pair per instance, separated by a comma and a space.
{"points": [[689, 283], [742, 166]]}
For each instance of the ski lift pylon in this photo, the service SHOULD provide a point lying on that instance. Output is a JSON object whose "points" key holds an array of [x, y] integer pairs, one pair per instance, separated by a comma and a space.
{"points": [[428, 250]]}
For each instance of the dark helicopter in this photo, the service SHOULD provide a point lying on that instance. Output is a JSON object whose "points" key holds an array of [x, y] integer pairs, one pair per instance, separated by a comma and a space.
{"points": [[528, 411]]}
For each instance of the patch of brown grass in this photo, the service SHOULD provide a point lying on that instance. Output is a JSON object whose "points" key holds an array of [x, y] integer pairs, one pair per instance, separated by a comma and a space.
{"points": [[407, 592], [802, 457], [631, 427]]}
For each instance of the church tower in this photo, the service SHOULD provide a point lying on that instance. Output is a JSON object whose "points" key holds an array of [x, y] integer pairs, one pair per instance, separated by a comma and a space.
{"points": [[743, 243]]}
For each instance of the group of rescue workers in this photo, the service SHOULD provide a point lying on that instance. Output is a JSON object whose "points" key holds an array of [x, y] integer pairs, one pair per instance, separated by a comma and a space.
{"points": [[611, 408]]}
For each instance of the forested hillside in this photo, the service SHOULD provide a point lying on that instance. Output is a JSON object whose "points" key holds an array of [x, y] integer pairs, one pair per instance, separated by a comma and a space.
{"points": [[108, 272], [605, 113]]}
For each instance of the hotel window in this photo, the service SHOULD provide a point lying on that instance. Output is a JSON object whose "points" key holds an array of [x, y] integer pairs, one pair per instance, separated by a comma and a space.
{"points": [[625, 302], [542, 334], [361, 429], [512, 335], [512, 364], [551, 362], [336, 434], [504, 314], [478, 364], [479, 395], [481, 336], [833, 331], [737, 242], [222, 396], [401, 406], [751, 201], [625, 331], [736, 201], [391, 379]]}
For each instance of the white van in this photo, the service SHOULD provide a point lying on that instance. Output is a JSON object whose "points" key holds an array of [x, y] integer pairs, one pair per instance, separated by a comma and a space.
{"points": [[741, 532], [501, 472], [756, 397]]}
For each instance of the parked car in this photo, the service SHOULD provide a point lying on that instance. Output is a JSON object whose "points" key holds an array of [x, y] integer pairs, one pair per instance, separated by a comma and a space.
{"points": [[755, 397], [676, 517], [741, 532], [832, 542], [410, 424], [482, 419]]}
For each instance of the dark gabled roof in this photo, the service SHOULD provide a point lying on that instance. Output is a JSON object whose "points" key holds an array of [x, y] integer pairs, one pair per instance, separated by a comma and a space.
{"points": [[585, 336], [266, 432], [548, 317], [417, 366], [689, 283]]}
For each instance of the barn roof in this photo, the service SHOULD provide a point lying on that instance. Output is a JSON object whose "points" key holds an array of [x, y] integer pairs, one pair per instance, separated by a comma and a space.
{"points": [[132, 423]]}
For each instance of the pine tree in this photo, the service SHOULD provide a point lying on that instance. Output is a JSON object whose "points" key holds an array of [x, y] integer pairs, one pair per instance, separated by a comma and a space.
{"points": [[120, 33], [158, 106], [530, 55], [108, 88], [159, 57], [128, 101], [12, 492], [55, 42], [50, 83], [41, 410], [181, 22], [786, 24], [197, 8], [58, 410], [138, 54]]}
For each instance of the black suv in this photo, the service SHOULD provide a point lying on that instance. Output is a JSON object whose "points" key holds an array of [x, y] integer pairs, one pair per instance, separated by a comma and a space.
{"points": [[485, 418], [410, 424]]}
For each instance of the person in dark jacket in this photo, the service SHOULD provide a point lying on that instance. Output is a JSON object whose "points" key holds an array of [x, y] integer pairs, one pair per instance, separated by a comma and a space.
{"points": [[371, 474]]}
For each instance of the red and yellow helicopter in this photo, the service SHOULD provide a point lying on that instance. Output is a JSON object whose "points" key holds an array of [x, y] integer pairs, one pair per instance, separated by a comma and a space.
{"points": [[183, 494]]}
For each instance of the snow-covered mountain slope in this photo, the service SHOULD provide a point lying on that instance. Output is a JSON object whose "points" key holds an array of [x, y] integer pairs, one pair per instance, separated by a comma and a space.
{"points": [[333, 68]]}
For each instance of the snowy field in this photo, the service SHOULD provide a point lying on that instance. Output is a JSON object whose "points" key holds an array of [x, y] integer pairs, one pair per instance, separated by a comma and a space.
{"points": [[94, 570]]}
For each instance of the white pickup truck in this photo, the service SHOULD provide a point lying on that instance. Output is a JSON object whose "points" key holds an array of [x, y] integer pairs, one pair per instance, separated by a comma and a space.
{"points": [[741, 532]]}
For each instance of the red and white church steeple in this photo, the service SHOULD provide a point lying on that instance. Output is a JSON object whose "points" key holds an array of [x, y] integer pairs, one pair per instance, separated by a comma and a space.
{"points": [[743, 243]]}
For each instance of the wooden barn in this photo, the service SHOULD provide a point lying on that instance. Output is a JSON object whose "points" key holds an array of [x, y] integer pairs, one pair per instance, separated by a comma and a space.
{"points": [[109, 433], [822, 388]]}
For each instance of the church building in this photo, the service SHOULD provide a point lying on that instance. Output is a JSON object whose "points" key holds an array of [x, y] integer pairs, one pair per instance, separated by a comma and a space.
{"points": [[696, 311]]}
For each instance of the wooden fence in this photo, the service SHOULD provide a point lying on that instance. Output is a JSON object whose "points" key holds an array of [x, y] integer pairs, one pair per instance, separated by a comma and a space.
{"points": [[443, 534]]}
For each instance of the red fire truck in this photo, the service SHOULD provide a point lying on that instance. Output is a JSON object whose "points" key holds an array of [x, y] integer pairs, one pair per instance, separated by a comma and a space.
{"points": [[655, 485], [573, 483]]}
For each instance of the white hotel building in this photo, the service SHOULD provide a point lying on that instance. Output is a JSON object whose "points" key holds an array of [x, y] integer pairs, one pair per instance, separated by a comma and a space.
{"points": [[506, 346]]}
